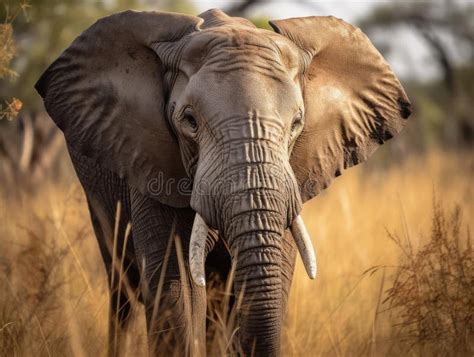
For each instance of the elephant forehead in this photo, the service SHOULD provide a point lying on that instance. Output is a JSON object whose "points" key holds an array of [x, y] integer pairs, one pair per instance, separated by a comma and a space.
{"points": [[228, 46]]}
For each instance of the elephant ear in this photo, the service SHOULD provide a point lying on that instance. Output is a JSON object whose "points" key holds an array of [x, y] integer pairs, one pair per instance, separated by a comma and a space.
{"points": [[353, 101], [106, 93]]}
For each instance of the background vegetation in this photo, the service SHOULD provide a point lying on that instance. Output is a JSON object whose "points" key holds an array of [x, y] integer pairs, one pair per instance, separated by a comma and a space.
{"points": [[395, 257]]}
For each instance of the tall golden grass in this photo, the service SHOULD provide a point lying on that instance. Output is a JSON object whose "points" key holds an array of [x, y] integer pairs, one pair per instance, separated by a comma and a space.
{"points": [[374, 230]]}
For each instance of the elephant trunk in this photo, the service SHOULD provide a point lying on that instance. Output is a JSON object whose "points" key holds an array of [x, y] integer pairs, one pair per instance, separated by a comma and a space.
{"points": [[258, 288], [255, 240]]}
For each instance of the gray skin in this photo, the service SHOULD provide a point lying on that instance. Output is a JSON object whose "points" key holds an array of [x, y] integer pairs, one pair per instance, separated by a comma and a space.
{"points": [[174, 115]]}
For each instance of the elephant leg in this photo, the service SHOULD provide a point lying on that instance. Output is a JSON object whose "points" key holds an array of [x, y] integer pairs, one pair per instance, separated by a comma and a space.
{"points": [[175, 308], [103, 191]]}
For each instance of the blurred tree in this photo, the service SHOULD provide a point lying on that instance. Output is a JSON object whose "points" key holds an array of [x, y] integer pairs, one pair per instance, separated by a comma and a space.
{"points": [[443, 25], [240, 8]]}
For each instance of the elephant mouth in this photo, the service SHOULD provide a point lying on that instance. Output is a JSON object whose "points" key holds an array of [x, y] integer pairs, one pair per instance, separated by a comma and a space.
{"points": [[197, 248]]}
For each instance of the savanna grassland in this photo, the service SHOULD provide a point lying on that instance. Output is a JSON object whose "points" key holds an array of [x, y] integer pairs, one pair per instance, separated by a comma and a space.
{"points": [[394, 256]]}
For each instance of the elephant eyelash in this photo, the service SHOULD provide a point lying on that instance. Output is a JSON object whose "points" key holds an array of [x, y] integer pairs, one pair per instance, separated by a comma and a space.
{"points": [[297, 122], [294, 126]]}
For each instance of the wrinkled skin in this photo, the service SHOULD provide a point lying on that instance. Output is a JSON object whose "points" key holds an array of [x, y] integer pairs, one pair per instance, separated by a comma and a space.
{"points": [[257, 121]]}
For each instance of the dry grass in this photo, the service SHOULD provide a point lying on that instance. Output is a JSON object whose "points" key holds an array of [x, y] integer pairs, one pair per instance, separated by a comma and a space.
{"points": [[53, 298], [432, 296]]}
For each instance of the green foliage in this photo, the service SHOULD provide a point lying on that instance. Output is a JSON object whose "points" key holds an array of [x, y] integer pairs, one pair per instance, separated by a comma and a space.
{"points": [[261, 22], [181, 6]]}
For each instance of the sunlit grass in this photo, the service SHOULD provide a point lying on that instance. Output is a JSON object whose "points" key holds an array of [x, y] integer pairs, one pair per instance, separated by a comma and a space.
{"points": [[54, 298], [336, 314]]}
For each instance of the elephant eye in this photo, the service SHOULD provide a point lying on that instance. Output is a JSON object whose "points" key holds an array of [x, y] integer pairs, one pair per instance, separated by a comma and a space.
{"points": [[190, 120], [297, 122]]}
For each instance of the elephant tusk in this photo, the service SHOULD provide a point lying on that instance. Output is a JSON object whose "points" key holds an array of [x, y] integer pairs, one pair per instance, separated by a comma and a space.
{"points": [[305, 247], [197, 250]]}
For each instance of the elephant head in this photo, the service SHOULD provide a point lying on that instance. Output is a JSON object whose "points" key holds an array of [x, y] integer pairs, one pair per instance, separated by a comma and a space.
{"points": [[257, 121]]}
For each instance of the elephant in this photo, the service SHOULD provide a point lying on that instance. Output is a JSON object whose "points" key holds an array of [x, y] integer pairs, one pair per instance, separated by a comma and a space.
{"points": [[212, 134]]}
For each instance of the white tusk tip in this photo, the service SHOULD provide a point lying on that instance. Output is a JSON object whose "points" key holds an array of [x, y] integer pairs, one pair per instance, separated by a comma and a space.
{"points": [[305, 246], [312, 273]]}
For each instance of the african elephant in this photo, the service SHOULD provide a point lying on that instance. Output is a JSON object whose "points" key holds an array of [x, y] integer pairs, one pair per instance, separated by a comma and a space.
{"points": [[211, 130]]}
